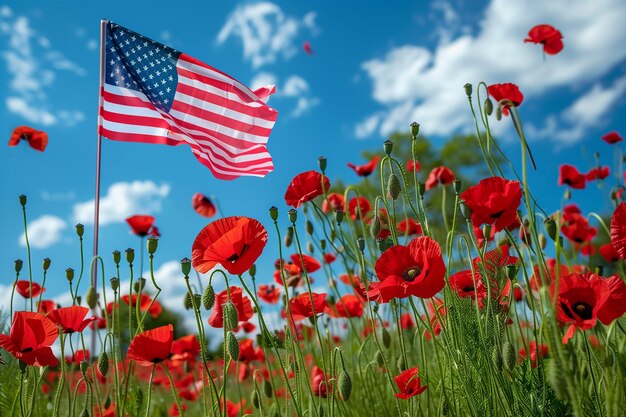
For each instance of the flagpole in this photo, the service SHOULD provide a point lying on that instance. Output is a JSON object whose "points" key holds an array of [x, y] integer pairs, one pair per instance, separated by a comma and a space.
{"points": [[96, 215]]}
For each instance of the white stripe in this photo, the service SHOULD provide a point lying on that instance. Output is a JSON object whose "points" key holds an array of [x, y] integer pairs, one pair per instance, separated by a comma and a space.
{"points": [[227, 95]]}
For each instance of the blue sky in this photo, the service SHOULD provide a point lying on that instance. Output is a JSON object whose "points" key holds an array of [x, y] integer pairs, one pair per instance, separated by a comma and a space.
{"points": [[374, 70]]}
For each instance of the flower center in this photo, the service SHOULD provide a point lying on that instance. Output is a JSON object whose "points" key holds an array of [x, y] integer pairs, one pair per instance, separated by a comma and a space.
{"points": [[28, 349], [497, 214], [583, 310], [235, 256], [410, 274]]}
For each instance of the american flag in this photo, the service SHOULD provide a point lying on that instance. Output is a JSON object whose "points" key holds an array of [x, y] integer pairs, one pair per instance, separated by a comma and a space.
{"points": [[155, 94]]}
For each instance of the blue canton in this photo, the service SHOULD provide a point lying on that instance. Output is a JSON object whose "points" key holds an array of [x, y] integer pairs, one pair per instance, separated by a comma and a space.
{"points": [[141, 64]]}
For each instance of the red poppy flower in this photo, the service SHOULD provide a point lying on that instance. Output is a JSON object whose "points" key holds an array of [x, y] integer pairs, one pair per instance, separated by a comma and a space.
{"points": [[233, 242], [548, 36], [612, 137], [71, 319], [366, 169], [24, 288], [569, 175], [241, 302], [245, 327], [536, 352], [152, 346], [36, 139], [202, 205], [318, 379], [78, 357], [506, 91], [576, 227], [413, 166], [409, 227], [358, 207], [330, 257], [174, 411], [301, 306], [307, 47], [185, 348], [350, 279], [579, 298], [46, 306], [480, 235], [439, 175], [140, 224], [409, 384], [305, 187], [406, 321], [306, 262], [538, 277], [248, 353], [334, 202], [518, 294], [30, 339], [145, 302], [417, 269], [348, 306], [608, 253], [598, 173], [291, 273], [494, 201], [269, 293], [468, 285], [618, 230]]}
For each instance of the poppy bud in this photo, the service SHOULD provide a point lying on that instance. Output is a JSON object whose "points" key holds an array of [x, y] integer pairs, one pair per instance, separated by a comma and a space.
{"points": [[185, 266], [289, 236], [386, 338], [274, 213], [256, 402], [293, 215], [138, 398], [309, 227], [103, 364], [320, 410], [323, 244], [117, 257], [415, 129], [92, 298], [267, 386], [46, 264], [115, 283], [388, 147], [22, 200], [188, 300], [487, 232], [153, 244], [488, 107], [230, 317], [599, 270], [345, 385], [393, 186], [550, 226], [376, 307], [208, 298], [79, 299], [509, 357], [232, 346], [401, 363], [107, 402], [252, 270], [457, 186], [498, 113], [468, 90], [84, 413], [321, 161], [361, 243], [511, 271], [18, 265], [339, 216], [379, 358], [309, 247], [421, 188], [375, 227], [23, 366], [543, 242], [80, 230], [69, 274], [84, 367], [130, 255], [140, 284], [382, 245]]}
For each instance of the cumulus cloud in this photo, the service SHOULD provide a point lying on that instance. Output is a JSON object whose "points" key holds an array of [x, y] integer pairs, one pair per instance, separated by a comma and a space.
{"points": [[294, 89], [266, 32], [413, 83], [33, 66], [123, 199], [44, 231]]}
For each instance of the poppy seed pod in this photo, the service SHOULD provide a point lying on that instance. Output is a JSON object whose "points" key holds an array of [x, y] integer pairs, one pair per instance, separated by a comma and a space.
{"points": [[153, 244], [293, 215], [468, 89], [140, 284], [382, 245], [22, 200], [388, 147], [345, 385], [117, 256], [115, 283], [488, 106], [46, 264], [18, 265], [415, 129], [274, 213], [321, 161], [457, 186], [185, 266], [69, 274], [232, 346], [361, 244], [80, 230], [130, 255], [393, 186], [92, 298], [79, 299], [208, 298]]}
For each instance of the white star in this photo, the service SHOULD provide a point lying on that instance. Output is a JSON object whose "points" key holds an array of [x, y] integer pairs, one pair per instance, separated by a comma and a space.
{"points": [[168, 89], [112, 62], [166, 101], [134, 38], [151, 76]]}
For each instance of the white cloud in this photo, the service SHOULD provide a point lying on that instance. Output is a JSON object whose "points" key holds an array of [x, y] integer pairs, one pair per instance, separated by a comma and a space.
{"points": [[295, 86], [32, 72], [588, 111], [295, 89], [413, 83], [262, 79], [123, 199], [58, 196], [265, 31], [92, 44], [367, 127], [44, 231]]}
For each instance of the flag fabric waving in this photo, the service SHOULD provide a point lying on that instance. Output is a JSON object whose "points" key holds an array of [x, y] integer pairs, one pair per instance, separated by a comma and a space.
{"points": [[155, 94]]}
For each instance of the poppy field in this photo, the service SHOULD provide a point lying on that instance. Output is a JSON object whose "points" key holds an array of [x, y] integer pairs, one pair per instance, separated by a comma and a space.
{"points": [[410, 293]]}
